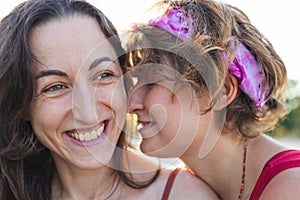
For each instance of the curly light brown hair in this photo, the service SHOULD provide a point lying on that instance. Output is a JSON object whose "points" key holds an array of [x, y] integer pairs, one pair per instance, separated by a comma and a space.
{"points": [[200, 59]]}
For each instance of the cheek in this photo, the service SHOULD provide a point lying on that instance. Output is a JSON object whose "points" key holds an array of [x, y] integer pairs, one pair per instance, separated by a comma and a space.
{"points": [[172, 123], [42, 123], [181, 116], [115, 98], [119, 98], [165, 109], [46, 115]]}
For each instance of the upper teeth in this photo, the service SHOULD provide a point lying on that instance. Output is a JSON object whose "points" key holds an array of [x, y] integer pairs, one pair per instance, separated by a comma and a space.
{"points": [[85, 137], [141, 125]]}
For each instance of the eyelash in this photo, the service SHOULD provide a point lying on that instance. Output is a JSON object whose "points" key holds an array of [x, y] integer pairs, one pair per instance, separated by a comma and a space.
{"points": [[107, 74], [104, 77], [54, 88], [150, 85], [99, 78]]}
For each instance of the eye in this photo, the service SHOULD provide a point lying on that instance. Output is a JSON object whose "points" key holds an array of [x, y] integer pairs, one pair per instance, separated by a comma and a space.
{"points": [[54, 88], [151, 85], [104, 77]]}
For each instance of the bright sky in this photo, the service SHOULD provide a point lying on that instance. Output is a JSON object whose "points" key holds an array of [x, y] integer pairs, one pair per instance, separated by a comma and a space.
{"points": [[278, 20]]}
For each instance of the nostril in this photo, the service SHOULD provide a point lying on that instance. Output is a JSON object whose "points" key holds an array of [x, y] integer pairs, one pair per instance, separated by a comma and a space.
{"points": [[135, 106], [136, 100], [131, 106]]}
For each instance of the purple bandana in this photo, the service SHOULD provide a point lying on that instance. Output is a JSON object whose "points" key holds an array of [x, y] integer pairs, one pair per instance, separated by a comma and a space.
{"points": [[176, 22], [251, 81], [244, 67]]}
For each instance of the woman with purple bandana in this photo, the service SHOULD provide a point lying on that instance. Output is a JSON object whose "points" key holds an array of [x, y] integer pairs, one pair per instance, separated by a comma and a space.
{"points": [[207, 85]]}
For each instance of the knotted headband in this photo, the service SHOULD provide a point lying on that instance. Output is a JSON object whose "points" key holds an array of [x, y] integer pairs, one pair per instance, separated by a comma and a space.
{"points": [[244, 66], [176, 22]]}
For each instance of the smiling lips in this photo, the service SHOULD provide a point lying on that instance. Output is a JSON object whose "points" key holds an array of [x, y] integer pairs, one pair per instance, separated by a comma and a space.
{"points": [[145, 125], [88, 136]]}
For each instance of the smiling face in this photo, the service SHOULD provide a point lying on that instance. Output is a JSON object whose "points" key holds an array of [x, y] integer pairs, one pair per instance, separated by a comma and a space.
{"points": [[79, 107], [167, 110]]}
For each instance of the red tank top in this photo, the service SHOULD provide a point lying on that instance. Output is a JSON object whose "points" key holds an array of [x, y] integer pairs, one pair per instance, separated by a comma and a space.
{"points": [[278, 163], [169, 184]]}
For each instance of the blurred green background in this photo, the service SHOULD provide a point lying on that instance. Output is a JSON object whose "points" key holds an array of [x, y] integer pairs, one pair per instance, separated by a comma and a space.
{"points": [[290, 126]]}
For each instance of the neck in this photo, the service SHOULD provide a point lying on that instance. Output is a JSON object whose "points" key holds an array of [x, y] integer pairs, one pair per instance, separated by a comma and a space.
{"points": [[221, 168], [83, 184]]}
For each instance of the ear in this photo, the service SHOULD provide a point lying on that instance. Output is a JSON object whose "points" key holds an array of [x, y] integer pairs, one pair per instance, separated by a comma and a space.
{"points": [[228, 94]]}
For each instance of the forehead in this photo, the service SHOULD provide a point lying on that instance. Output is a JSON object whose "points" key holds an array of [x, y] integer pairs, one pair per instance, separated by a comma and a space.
{"points": [[69, 41]]}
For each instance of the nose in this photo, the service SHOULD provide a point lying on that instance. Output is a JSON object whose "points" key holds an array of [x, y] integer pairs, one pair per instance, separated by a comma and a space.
{"points": [[84, 105], [136, 100]]}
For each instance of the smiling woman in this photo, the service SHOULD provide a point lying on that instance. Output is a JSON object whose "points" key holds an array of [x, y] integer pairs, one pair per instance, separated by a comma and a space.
{"points": [[230, 91], [54, 133], [61, 79]]}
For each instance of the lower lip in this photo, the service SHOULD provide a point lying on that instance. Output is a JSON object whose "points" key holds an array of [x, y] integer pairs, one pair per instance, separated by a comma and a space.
{"points": [[96, 141], [148, 131], [147, 126]]}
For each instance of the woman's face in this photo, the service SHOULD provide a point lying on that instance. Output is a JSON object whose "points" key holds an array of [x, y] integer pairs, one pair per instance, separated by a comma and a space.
{"points": [[79, 106], [167, 109]]}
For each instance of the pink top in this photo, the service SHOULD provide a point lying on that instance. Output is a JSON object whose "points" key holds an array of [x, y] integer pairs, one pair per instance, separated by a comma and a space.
{"points": [[278, 163]]}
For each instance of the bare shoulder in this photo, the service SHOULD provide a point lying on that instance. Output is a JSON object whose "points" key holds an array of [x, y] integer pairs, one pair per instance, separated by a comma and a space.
{"points": [[188, 186], [185, 185], [284, 186]]}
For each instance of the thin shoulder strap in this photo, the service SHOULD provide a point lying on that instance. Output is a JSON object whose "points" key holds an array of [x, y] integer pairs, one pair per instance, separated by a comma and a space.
{"points": [[278, 163], [169, 184]]}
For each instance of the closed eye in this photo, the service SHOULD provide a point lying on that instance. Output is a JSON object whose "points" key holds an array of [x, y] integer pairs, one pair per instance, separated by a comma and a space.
{"points": [[150, 85]]}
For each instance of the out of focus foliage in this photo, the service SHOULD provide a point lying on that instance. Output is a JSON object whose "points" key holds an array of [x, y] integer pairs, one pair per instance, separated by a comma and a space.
{"points": [[290, 126]]}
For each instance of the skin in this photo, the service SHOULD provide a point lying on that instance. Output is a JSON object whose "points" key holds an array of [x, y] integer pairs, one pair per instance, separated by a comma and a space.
{"points": [[65, 72], [214, 155], [64, 75], [78, 90], [153, 101]]}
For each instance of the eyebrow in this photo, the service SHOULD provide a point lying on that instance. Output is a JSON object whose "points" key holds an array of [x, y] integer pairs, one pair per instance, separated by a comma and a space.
{"points": [[100, 60], [56, 72], [51, 72]]}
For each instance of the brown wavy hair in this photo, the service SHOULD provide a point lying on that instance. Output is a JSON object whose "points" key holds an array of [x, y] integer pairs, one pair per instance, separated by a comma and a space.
{"points": [[26, 166], [200, 59]]}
